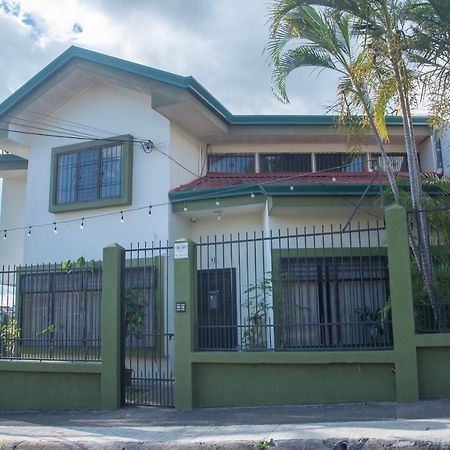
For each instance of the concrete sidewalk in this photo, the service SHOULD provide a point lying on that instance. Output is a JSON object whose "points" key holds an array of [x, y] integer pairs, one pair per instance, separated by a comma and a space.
{"points": [[354, 426]]}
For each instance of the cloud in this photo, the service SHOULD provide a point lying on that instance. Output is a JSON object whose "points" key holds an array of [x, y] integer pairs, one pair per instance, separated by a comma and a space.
{"points": [[219, 42]]}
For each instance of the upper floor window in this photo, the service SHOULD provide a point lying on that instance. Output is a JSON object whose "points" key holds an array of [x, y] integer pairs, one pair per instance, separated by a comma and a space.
{"points": [[398, 161], [91, 175], [285, 162], [231, 162], [340, 162]]}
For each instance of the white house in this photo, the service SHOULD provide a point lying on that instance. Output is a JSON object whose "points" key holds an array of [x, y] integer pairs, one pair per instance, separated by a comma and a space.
{"points": [[92, 141]]}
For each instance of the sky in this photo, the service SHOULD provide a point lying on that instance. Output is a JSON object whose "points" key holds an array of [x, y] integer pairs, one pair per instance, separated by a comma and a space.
{"points": [[219, 42]]}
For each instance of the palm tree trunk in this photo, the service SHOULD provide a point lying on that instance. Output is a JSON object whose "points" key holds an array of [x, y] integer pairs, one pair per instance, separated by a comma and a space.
{"points": [[387, 164], [423, 257]]}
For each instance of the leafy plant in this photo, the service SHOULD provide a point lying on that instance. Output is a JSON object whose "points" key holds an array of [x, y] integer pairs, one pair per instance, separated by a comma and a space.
{"points": [[134, 312], [9, 333], [258, 307], [375, 321]]}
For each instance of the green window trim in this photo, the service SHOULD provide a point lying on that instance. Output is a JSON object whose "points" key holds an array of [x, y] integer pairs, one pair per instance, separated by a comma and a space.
{"points": [[126, 179], [310, 253]]}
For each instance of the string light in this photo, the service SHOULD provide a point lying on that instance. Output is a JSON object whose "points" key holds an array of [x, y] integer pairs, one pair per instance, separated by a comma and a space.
{"points": [[219, 218], [185, 208], [217, 202]]}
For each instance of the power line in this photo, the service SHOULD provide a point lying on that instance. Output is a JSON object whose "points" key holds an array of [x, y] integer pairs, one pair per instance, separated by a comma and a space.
{"points": [[83, 219]]}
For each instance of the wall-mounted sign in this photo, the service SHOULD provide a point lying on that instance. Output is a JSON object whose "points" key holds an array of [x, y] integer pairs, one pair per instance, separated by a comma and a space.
{"points": [[181, 250], [181, 307]]}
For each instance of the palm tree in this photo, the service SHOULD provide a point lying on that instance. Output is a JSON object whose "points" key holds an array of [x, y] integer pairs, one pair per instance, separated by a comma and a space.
{"points": [[326, 43], [324, 40], [430, 49]]}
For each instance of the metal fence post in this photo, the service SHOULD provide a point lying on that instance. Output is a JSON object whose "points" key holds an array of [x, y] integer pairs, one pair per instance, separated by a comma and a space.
{"points": [[402, 304], [112, 289], [184, 297]]}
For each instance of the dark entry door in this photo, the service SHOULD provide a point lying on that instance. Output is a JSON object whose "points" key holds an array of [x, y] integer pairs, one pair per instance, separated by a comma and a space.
{"points": [[216, 309]]}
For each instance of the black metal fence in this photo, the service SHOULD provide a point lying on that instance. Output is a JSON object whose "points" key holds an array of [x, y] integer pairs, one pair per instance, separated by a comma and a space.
{"points": [[50, 312], [319, 289], [148, 376], [433, 315]]}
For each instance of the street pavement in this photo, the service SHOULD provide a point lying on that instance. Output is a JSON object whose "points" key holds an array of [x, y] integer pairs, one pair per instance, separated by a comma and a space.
{"points": [[418, 425]]}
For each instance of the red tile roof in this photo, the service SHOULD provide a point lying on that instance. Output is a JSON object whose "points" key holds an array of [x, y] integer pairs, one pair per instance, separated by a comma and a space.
{"points": [[223, 180]]}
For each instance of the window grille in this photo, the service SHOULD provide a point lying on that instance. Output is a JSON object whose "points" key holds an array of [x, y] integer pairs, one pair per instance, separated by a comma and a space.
{"points": [[285, 162], [231, 163], [340, 162], [398, 161], [89, 174]]}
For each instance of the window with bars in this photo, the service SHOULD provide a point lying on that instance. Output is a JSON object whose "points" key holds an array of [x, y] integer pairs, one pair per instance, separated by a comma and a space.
{"points": [[63, 308], [285, 162], [334, 302], [92, 174], [398, 161], [231, 163], [340, 162]]}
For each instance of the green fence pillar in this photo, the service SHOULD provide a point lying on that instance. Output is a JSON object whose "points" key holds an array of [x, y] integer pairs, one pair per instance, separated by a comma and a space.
{"points": [[112, 289], [402, 304], [184, 297]]}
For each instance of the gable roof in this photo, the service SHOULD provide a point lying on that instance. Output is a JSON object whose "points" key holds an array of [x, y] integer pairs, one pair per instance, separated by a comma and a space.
{"points": [[187, 83]]}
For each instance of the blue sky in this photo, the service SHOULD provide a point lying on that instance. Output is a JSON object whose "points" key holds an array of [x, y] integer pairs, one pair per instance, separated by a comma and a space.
{"points": [[220, 42]]}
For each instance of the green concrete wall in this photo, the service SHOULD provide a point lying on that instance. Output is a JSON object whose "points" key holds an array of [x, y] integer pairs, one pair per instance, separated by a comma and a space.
{"points": [[36, 386], [434, 372], [282, 384]]}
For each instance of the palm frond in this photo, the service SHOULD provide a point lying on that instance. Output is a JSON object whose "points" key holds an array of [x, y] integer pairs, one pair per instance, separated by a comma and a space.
{"points": [[303, 56], [385, 93]]}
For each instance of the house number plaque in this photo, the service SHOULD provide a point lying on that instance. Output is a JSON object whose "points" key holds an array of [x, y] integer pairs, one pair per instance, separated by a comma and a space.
{"points": [[181, 250]]}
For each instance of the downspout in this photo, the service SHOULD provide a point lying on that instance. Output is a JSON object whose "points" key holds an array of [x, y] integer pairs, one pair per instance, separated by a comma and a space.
{"points": [[437, 147]]}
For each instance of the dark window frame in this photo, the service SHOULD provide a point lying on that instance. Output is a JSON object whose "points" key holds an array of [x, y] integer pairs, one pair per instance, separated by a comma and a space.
{"points": [[334, 156], [284, 166], [125, 197], [236, 156]]}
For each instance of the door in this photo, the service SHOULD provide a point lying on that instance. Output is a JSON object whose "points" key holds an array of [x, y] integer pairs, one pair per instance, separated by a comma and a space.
{"points": [[217, 310]]}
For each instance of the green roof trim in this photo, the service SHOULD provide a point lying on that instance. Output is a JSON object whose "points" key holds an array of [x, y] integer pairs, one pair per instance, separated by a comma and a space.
{"points": [[313, 189], [12, 162], [283, 190], [188, 83]]}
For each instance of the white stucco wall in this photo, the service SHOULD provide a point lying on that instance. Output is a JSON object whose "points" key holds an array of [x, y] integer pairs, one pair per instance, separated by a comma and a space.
{"points": [[13, 202], [445, 146], [427, 156], [117, 111]]}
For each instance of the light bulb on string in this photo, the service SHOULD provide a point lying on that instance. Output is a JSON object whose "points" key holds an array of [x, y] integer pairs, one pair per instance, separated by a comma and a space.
{"points": [[291, 187], [121, 217], [252, 195], [4, 235], [185, 208], [82, 224], [217, 202], [29, 231], [55, 230], [219, 218], [150, 210]]}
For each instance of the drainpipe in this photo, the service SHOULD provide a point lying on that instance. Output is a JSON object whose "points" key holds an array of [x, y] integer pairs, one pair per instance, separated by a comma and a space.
{"points": [[436, 144]]}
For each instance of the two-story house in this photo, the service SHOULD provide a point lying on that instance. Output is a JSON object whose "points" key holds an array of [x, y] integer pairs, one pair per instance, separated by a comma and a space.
{"points": [[92, 141]]}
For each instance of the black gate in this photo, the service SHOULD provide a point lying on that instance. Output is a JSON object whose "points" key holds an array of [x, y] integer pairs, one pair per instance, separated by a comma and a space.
{"points": [[147, 377]]}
